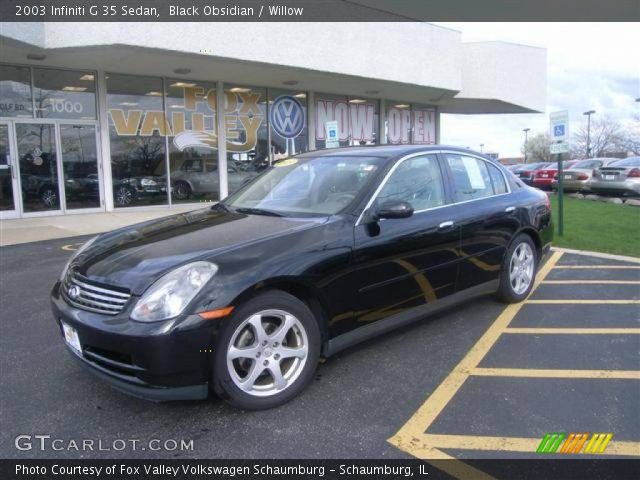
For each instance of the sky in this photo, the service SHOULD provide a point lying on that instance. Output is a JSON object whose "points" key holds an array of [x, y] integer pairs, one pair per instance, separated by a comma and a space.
{"points": [[590, 66]]}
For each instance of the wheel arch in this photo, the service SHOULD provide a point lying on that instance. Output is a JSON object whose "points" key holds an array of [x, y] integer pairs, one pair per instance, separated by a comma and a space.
{"points": [[535, 237], [303, 291]]}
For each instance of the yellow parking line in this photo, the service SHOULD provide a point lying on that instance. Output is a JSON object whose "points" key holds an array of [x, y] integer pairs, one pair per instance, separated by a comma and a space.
{"points": [[553, 373], [585, 302], [592, 282], [603, 267], [573, 331], [515, 444], [405, 439]]}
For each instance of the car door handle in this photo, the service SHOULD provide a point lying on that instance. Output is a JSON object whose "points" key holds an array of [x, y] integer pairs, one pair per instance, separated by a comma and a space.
{"points": [[510, 209], [445, 225]]}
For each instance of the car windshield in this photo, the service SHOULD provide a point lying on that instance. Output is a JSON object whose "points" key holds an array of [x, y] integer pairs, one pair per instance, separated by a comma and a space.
{"points": [[306, 186], [627, 162]]}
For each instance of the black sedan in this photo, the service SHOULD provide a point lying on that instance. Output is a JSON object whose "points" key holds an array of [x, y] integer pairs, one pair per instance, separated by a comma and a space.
{"points": [[317, 253]]}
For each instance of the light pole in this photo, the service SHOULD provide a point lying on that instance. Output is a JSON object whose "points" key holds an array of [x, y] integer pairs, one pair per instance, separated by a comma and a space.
{"points": [[481, 145], [526, 134], [588, 114]]}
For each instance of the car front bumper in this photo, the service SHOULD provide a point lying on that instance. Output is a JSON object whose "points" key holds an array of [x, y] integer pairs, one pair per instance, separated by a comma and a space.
{"points": [[156, 361]]}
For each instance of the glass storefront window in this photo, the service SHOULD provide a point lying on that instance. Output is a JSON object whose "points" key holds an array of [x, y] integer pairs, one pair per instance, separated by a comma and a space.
{"points": [[15, 92], [64, 94], [288, 123], [193, 155], [357, 119], [38, 166], [80, 166], [424, 124], [398, 122], [246, 133], [137, 130]]}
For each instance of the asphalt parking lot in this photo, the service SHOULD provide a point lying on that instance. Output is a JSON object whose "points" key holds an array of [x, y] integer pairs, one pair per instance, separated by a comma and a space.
{"points": [[482, 380]]}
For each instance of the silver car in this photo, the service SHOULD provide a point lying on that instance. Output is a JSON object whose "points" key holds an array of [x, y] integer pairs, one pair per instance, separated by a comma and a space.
{"points": [[578, 178], [618, 178]]}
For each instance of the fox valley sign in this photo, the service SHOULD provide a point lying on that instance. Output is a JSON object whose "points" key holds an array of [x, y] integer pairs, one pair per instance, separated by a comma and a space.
{"points": [[243, 117]]}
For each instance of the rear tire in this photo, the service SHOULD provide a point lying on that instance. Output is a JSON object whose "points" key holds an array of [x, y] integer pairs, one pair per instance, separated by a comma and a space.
{"points": [[519, 270], [267, 352]]}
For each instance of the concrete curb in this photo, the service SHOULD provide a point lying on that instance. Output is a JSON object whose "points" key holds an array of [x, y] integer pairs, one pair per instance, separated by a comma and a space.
{"points": [[609, 256]]}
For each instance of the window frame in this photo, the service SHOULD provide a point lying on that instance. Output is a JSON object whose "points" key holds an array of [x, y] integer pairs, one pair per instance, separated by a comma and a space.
{"points": [[447, 180]]}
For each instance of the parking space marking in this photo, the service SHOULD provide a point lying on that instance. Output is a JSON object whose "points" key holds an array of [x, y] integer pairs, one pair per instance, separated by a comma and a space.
{"points": [[554, 373], [599, 267], [413, 438], [572, 331], [515, 444], [411, 433], [584, 302], [592, 282]]}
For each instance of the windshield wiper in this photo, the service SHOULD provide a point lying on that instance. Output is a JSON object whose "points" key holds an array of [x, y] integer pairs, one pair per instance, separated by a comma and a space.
{"points": [[259, 211]]}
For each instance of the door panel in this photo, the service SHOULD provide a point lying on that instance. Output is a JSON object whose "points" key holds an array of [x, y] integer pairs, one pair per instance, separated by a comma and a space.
{"points": [[37, 154], [400, 264], [487, 222]]}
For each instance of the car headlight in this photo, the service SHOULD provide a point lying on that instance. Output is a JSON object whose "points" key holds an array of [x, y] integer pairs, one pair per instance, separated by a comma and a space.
{"points": [[84, 246], [170, 295], [147, 182]]}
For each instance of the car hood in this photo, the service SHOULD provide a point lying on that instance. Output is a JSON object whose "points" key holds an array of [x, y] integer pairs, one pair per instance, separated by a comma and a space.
{"points": [[136, 256]]}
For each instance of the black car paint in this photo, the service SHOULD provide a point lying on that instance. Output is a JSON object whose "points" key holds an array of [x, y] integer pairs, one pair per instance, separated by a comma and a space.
{"points": [[354, 272]]}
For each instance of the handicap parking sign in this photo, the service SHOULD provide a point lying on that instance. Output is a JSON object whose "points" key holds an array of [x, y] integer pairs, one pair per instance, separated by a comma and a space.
{"points": [[558, 130]]}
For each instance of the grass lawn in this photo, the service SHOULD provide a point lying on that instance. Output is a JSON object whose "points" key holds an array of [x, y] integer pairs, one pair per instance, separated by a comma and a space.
{"points": [[598, 226]]}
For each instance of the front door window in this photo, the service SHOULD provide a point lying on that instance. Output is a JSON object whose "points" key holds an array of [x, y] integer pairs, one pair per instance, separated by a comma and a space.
{"points": [[37, 155]]}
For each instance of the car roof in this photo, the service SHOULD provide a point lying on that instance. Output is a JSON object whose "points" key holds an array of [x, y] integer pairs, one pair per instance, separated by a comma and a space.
{"points": [[385, 151]]}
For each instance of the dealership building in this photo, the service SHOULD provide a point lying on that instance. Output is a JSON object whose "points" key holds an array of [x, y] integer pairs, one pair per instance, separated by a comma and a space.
{"points": [[97, 117]]}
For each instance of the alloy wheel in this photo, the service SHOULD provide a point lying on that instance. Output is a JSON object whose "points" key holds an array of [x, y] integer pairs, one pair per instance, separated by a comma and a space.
{"points": [[267, 352], [123, 196], [49, 198], [521, 268]]}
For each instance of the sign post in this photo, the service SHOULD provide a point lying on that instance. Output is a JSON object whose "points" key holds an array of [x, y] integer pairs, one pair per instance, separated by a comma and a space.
{"points": [[559, 129]]}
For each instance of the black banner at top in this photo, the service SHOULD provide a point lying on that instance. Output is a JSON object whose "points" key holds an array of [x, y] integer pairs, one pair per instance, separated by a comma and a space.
{"points": [[317, 10]]}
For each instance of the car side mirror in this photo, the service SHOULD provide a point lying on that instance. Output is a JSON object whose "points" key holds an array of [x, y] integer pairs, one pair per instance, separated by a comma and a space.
{"points": [[394, 209]]}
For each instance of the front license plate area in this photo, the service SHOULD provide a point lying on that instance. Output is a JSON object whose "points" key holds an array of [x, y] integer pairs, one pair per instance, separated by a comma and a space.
{"points": [[71, 338]]}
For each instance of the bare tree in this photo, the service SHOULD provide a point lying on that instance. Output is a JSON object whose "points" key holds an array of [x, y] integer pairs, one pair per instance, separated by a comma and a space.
{"points": [[537, 148], [606, 139]]}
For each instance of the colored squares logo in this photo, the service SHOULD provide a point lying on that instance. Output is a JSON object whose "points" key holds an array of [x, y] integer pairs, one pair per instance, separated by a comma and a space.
{"points": [[589, 443]]}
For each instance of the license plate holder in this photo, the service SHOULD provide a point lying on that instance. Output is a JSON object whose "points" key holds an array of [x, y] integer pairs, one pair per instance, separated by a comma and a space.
{"points": [[71, 338]]}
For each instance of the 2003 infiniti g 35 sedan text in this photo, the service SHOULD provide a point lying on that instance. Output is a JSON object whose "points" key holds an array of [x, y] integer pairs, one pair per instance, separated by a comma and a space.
{"points": [[317, 253]]}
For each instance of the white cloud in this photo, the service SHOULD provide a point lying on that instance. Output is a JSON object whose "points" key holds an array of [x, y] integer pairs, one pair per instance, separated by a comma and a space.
{"points": [[590, 66]]}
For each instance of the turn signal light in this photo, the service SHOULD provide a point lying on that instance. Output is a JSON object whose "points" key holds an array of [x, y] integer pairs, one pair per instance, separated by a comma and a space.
{"points": [[634, 173], [213, 314]]}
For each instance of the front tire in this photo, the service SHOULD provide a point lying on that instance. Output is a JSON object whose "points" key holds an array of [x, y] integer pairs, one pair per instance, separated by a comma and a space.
{"points": [[519, 269], [267, 352]]}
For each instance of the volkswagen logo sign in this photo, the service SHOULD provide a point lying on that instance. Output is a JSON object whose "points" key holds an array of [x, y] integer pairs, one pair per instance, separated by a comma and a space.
{"points": [[287, 116], [74, 292]]}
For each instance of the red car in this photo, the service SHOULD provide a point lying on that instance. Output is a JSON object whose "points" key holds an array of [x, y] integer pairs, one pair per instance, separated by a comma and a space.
{"points": [[544, 177]]}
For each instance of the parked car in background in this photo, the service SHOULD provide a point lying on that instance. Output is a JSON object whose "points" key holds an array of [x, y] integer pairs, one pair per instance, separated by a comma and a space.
{"points": [[578, 177], [544, 177], [527, 172], [621, 177], [514, 167]]}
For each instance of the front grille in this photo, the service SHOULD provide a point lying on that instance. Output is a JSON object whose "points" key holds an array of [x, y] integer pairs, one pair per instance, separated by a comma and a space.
{"points": [[94, 298]]}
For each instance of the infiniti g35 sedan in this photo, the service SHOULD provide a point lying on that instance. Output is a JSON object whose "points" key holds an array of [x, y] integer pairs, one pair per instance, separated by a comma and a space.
{"points": [[317, 253]]}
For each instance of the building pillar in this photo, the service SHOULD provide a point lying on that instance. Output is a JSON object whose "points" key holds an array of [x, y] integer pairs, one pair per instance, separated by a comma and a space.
{"points": [[222, 141], [104, 146], [382, 118], [311, 120]]}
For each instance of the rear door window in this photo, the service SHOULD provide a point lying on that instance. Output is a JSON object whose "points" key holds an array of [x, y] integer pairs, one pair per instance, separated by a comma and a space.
{"points": [[471, 177]]}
